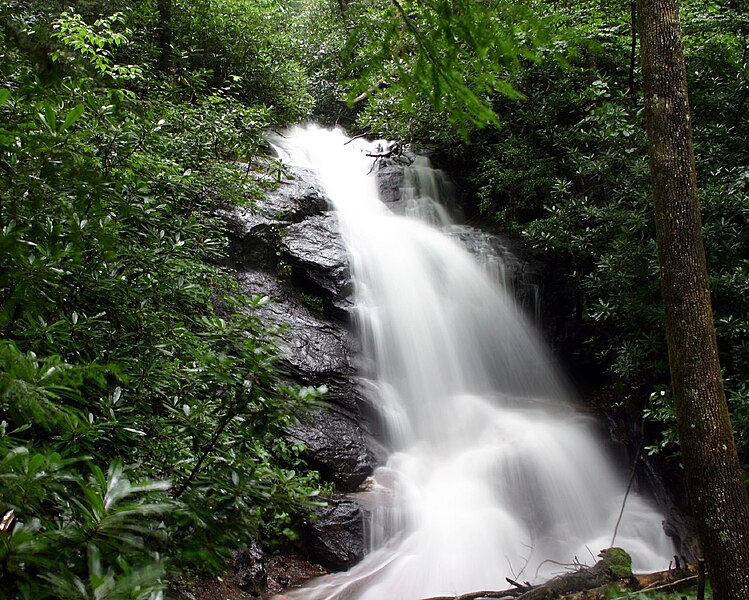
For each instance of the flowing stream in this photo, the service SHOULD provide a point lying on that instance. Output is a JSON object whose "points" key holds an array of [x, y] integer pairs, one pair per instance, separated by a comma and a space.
{"points": [[492, 472]]}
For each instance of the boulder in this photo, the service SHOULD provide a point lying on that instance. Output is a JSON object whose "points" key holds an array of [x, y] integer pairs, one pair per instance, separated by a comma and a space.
{"points": [[255, 230], [389, 183], [315, 349], [337, 447], [248, 570], [335, 538], [315, 251], [296, 199]]}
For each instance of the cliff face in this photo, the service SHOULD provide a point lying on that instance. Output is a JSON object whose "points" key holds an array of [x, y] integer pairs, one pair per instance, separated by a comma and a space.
{"points": [[288, 248]]}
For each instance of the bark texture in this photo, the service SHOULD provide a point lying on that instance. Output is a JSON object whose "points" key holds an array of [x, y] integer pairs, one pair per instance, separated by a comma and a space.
{"points": [[717, 494]]}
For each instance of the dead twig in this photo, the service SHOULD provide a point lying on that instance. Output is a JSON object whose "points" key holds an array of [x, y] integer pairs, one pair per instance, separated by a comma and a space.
{"points": [[7, 523], [380, 85], [356, 137], [669, 585], [482, 594], [522, 586], [631, 481], [519, 574]]}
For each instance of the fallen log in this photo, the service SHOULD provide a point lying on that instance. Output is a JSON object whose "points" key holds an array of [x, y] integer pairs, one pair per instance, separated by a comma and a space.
{"points": [[615, 564], [614, 570]]}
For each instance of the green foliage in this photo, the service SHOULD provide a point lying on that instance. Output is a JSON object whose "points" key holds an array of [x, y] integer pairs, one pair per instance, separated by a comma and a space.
{"points": [[241, 46], [320, 33], [79, 535], [660, 410], [578, 144], [567, 165], [411, 59], [314, 302], [94, 42], [122, 341]]}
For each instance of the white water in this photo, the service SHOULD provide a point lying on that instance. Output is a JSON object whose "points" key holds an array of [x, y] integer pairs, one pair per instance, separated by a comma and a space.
{"points": [[492, 474]]}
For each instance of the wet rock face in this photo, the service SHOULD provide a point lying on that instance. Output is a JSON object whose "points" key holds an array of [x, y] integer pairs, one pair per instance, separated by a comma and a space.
{"points": [[336, 536], [389, 182], [314, 348], [337, 447], [288, 248], [391, 179], [314, 250], [255, 231], [248, 570]]}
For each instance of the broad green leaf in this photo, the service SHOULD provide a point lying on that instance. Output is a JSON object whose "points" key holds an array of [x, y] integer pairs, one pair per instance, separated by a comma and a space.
{"points": [[48, 119], [73, 115]]}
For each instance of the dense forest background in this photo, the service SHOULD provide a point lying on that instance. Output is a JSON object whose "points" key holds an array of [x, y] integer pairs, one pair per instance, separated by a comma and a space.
{"points": [[140, 401]]}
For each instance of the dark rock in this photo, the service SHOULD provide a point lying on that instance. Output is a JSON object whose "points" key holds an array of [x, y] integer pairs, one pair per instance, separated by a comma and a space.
{"points": [[289, 570], [295, 200], [255, 231], [318, 259], [248, 570], [336, 537], [389, 183], [253, 238], [337, 447], [317, 351]]}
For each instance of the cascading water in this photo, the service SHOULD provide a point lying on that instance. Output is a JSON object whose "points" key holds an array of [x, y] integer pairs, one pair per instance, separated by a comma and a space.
{"points": [[492, 474]]}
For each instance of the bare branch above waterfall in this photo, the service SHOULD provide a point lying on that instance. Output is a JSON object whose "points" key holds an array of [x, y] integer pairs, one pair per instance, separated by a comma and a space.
{"points": [[388, 150], [393, 151]]}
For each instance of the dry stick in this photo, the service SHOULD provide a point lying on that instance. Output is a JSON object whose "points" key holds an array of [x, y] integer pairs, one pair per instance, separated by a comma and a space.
{"points": [[356, 137], [571, 567], [525, 565], [631, 481], [475, 595], [516, 584], [701, 579], [671, 584], [624, 501], [380, 85], [8, 523]]}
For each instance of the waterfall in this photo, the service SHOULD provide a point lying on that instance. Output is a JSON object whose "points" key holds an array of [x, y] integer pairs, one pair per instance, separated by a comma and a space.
{"points": [[492, 471]]}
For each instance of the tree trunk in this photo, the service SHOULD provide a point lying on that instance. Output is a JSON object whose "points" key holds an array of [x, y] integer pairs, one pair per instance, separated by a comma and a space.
{"points": [[717, 495], [164, 30]]}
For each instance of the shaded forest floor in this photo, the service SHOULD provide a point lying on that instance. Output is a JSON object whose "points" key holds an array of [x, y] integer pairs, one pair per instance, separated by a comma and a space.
{"points": [[284, 572]]}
